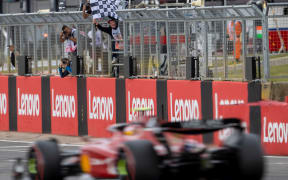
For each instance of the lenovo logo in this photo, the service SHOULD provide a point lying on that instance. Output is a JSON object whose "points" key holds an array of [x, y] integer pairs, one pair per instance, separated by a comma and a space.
{"points": [[100, 107], [223, 134], [3, 103], [137, 102], [184, 109], [63, 106], [274, 132], [28, 104]]}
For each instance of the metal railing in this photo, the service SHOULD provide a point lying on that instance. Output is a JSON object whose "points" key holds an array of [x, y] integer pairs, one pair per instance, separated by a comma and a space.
{"points": [[160, 40]]}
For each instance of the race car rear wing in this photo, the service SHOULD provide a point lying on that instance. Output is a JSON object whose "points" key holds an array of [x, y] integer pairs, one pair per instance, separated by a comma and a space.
{"points": [[201, 126]]}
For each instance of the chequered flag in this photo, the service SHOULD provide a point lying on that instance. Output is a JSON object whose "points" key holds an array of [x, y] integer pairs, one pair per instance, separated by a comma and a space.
{"points": [[104, 8]]}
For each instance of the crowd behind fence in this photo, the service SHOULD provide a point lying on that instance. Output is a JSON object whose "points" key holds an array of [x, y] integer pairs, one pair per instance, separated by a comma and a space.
{"points": [[160, 41]]}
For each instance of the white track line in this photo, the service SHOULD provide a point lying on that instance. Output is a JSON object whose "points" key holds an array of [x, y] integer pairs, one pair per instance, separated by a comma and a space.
{"points": [[69, 145], [277, 157], [7, 147]]}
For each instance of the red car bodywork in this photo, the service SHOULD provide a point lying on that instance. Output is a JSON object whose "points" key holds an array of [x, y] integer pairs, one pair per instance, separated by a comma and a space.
{"points": [[103, 153]]}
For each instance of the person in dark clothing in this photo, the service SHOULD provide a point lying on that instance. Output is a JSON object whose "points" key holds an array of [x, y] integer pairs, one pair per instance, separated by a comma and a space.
{"points": [[12, 55], [86, 10], [64, 67], [114, 31]]}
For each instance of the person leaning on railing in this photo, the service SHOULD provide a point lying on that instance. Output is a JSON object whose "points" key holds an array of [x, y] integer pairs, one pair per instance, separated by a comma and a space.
{"points": [[114, 31], [64, 67]]}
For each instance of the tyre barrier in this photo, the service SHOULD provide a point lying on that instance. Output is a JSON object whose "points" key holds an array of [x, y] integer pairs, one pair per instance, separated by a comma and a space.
{"points": [[87, 105]]}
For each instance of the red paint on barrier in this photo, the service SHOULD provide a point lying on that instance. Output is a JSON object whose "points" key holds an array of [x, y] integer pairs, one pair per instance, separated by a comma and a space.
{"points": [[101, 105], [140, 93], [274, 130], [184, 101], [64, 105], [227, 93], [4, 104], [29, 104]]}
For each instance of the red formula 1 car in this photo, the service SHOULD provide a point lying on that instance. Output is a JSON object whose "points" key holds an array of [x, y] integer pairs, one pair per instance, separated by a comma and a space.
{"points": [[150, 150]]}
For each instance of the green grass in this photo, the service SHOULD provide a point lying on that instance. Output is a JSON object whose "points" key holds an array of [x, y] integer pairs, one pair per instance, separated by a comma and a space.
{"points": [[281, 70], [274, 56]]}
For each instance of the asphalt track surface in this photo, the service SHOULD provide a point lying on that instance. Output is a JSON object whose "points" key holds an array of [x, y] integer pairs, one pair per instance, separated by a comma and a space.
{"points": [[276, 166]]}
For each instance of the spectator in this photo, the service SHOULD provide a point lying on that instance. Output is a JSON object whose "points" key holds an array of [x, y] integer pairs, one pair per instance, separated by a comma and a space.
{"points": [[13, 54], [86, 10], [64, 67], [68, 36], [114, 31]]}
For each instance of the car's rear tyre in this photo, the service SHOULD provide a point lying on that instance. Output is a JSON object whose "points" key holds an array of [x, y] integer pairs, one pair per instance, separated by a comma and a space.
{"points": [[44, 161], [249, 160], [141, 161]]}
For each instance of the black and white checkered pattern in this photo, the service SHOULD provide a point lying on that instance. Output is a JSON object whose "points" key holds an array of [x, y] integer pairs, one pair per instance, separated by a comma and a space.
{"points": [[104, 8]]}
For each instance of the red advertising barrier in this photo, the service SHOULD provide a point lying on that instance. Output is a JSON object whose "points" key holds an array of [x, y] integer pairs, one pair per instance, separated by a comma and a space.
{"points": [[29, 104], [140, 93], [4, 104], [184, 101], [64, 113], [101, 105], [227, 93], [274, 132]]}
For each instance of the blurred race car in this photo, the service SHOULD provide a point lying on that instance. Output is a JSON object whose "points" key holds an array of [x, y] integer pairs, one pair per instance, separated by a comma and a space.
{"points": [[148, 149]]}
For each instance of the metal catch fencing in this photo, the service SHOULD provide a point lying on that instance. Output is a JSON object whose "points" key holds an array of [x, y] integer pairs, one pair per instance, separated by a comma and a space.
{"points": [[221, 37], [278, 40], [37, 35], [161, 40]]}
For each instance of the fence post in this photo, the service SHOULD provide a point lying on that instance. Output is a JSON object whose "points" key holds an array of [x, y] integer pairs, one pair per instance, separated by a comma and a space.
{"points": [[35, 50], [254, 38], [168, 46], [225, 49], [125, 39], [20, 40], [49, 49], [93, 50], [158, 47], [244, 46], [205, 27], [265, 46], [141, 49], [8, 51]]}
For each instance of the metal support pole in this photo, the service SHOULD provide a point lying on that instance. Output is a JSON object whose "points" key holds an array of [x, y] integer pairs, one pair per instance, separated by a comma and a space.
{"points": [[142, 49], [20, 40], [265, 41], [225, 49], [109, 54], [205, 28], [134, 40], [56, 47], [186, 39], [125, 40], [42, 50], [93, 50], [254, 38], [7, 49], [157, 32], [178, 48], [234, 41], [35, 50], [168, 46], [244, 49], [49, 49], [150, 37], [78, 39]]}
